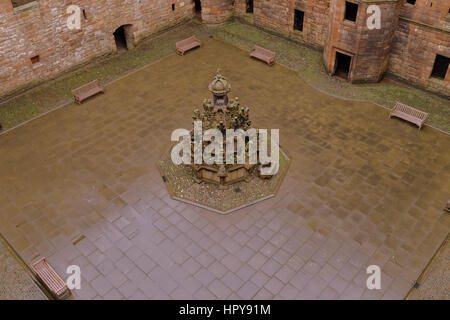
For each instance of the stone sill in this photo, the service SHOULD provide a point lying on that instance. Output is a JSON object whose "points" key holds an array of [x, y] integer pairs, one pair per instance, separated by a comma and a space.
{"points": [[437, 28], [437, 81], [349, 23], [27, 6], [37, 65]]}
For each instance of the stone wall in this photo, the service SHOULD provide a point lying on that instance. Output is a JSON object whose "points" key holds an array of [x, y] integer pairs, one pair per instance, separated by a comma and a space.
{"points": [[216, 11], [40, 28], [369, 48], [414, 51], [278, 15], [406, 45], [315, 25]]}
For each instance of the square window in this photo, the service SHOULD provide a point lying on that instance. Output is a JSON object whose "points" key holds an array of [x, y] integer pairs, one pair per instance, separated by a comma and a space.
{"points": [[351, 11], [249, 6], [35, 59], [18, 3], [298, 20], [440, 67]]}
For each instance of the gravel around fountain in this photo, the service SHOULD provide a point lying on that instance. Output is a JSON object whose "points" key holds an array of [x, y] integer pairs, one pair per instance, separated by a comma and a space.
{"points": [[181, 184]]}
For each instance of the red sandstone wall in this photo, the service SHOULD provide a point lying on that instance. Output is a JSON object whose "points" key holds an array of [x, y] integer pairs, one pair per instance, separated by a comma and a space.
{"points": [[42, 30], [275, 14], [432, 12], [216, 11], [315, 25], [278, 15], [370, 48], [414, 52]]}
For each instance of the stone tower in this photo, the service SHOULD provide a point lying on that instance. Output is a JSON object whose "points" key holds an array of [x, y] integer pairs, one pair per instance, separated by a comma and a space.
{"points": [[353, 50]]}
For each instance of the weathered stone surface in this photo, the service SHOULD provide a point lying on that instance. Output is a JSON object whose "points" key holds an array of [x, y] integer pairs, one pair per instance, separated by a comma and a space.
{"points": [[406, 45], [42, 30]]}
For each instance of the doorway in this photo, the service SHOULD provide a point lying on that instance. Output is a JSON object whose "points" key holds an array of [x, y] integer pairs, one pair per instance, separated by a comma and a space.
{"points": [[342, 65], [121, 40], [440, 67], [198, 7], [249, 6], [299, 16], [123, 37]]}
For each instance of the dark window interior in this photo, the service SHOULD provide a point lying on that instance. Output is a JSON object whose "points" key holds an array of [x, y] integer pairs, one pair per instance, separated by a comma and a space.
{"points": [[198, 6], [298, 20], [173, 6], [413, 2], [440, 67], [343, 62], [121, 40], [18, 3], [35, 59], [351, 10], [249, 6]]}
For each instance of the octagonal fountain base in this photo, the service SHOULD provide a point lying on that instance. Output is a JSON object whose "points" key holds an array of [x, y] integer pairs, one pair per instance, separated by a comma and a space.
{"points": [[181, 184]]}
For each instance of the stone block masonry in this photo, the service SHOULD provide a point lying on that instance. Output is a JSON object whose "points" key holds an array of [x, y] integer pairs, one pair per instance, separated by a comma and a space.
{"points": [[406, 45], [35, 43], [39, 29]]}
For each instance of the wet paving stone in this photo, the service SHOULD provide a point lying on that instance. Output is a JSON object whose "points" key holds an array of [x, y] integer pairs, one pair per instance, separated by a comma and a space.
{"points": [[361, 190]]}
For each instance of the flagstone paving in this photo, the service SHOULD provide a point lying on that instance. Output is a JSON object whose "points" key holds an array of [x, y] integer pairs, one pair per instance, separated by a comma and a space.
{"points": [[80, 186]]}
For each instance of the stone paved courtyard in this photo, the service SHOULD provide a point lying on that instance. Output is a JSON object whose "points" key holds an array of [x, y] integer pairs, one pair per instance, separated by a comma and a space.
{"points": [[80, 186]]}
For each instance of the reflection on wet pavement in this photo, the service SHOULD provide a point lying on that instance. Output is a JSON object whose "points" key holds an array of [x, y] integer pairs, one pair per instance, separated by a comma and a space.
{"points": [[80, 186]]}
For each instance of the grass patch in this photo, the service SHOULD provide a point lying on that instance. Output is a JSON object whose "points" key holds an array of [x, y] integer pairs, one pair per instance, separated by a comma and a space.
{"points": [[305, 60], [55, 92], [309, 64]]}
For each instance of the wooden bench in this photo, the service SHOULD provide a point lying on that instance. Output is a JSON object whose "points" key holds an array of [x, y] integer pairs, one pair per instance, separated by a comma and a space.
{"points": [[50, 279], [187, 44], [408, 113], [87, 90], [263, 54]]}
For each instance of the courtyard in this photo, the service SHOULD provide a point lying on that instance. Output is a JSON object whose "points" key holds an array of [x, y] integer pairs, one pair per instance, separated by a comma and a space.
{"points": [[80, 186]]}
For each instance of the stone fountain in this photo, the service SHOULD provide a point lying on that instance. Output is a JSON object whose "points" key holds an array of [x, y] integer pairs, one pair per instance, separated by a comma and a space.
{"points": [[223, 187]]}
